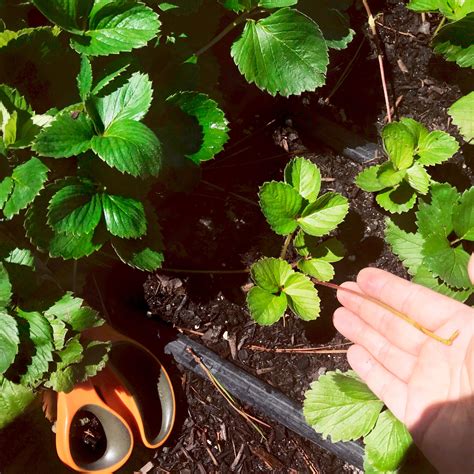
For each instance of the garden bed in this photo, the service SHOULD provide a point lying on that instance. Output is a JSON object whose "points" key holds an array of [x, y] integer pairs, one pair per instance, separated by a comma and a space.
{"points": [[218, 228]]}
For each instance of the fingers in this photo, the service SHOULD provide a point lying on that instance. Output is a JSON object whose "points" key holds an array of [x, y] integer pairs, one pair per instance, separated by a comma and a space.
{"points": [[391, 390], [470, 268], [422, 304], [393, 328], [395, 360]]}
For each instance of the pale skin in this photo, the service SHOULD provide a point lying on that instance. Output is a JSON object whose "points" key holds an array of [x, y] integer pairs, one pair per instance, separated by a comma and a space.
{"points": [[427, 385]]}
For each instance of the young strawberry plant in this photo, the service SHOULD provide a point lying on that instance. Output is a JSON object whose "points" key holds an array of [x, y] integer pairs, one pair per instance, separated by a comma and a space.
{"points": [[41, 346], [291, 207], [461, 113], [410, 148], [341, 406], [455, 39], [437, 255]]}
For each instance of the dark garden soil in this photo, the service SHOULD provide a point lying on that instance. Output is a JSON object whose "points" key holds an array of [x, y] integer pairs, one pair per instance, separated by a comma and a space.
{"points": [[218, 227]]}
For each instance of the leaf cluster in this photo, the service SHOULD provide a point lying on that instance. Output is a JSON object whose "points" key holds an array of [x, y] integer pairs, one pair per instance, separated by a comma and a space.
{"points": [[435, 255], [289, 206], [42, 348], [455, 40], [410, 148], [341, 406]]}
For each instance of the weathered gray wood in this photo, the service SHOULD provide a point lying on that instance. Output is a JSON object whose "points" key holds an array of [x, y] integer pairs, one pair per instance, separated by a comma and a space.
{"points": [[259, 395]]}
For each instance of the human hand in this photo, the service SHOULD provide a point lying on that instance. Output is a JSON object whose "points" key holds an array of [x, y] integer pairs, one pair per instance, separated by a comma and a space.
{"points": [[427, 385]]}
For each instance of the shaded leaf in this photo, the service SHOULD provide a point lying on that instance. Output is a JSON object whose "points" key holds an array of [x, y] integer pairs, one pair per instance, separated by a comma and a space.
{"points": [[131, 147], [210, 118], [9, 341], [284, 53], [5, 288], [368, 179], [398, 200], [266, 308], [418, 178], [66, 136], [68, 14], [463, 217], [124, 217], [14, 399], [84, 78]]}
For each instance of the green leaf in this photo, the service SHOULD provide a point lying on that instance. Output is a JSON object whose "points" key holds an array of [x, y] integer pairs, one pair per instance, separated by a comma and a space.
{"points": [[387, 444], [95, 359], [41, 335], [9, 341], [84, 78], [130, 101], [67, 135], [281, 205], [406, 246], [399, 144], [266, 308], [14, 399], [461, 113], [463, 217], [305, 177], [324, 215], [454, 10], [210, 118], [110, 73], [330, 250], [437, 216], [239, 5], [269, 4], [418, 178], [27, 180], [368, 179], [131, 147], [455, 41], [398, 200], [145, 253], [436, 147], [117, 26], [68, 14], [271, 273], [22, 257], [331, 18], [71, 311], [340, 405], [67, 246], [75, 209], [446, 262], [6, 187], [5, 288], [279, 62], [316, 268], [418, 130], [302, 296], [124, 217], [389, 176], [425, 277], [10, 130]]}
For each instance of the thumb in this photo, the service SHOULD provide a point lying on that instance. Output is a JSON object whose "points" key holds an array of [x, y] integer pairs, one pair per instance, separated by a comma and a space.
{"points": [[470, 268]]}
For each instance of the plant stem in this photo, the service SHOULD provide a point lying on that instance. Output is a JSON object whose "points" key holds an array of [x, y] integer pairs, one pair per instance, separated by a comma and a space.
{"points": [[286, 244], [441, 24], [373, 30], [240, 19], [394, 311], [456, 241]]}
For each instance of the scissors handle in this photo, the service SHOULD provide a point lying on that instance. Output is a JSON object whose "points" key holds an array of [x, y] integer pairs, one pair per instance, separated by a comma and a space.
{"points": [[117, 445]]}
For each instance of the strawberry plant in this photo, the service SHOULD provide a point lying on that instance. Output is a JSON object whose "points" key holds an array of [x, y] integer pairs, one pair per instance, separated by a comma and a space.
{"points": [[461, 113], [410, 148], [341, 406], [41, 346], [455, 39], [436, 255], [291, 207]]}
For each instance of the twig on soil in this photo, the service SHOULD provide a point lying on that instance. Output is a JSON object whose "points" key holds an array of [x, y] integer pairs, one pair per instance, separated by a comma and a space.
{"points": [[205, 272], [313, 469], [213, 458], [268, 459], [228, 397], [404, 33], [394, 311], [373, 29], [190, 331], [298, 350], [237, 458]]}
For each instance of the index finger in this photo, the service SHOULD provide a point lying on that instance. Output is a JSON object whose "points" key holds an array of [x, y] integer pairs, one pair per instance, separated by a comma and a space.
{"points": [[427, 307]]}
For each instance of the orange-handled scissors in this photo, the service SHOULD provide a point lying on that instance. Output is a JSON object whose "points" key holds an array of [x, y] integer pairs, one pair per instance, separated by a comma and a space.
{"points": [[132, 395]]}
